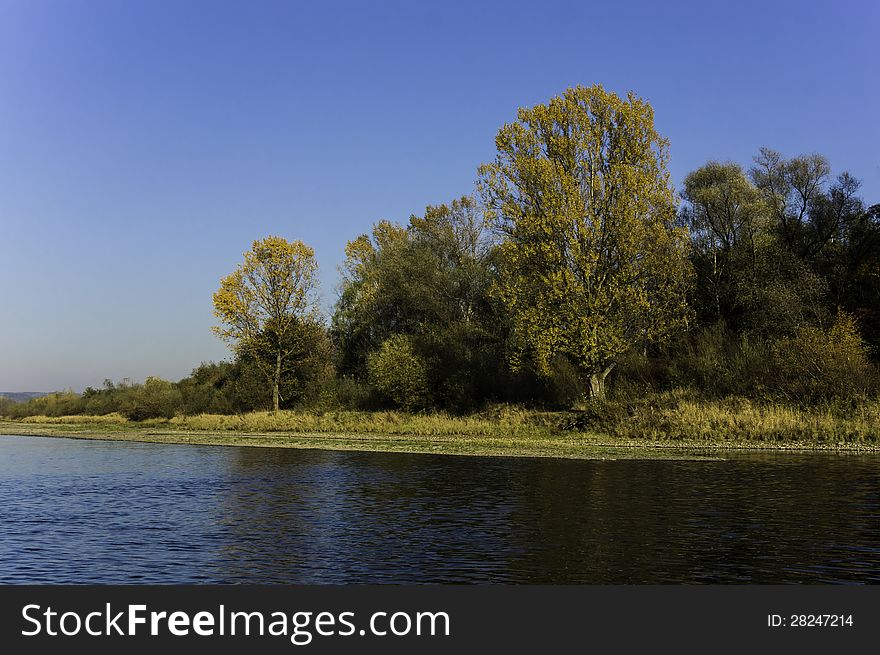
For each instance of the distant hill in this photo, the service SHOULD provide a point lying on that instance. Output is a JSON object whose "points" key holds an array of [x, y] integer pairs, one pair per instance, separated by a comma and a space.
{"points": [[22, 396]]}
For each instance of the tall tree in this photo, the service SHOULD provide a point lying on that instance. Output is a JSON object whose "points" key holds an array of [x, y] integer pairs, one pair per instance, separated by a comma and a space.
{"points": [[428, 281], [811, 211], [823, 229], [726, 215], [593, 263], [268, 303]]}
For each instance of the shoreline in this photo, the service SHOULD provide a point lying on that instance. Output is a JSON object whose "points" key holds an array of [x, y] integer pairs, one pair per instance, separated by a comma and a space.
{"points": [[559, 446]]}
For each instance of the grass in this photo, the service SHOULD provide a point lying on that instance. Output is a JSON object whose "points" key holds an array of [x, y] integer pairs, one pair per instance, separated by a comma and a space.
{"points": [[673, 424], [678, 416]]}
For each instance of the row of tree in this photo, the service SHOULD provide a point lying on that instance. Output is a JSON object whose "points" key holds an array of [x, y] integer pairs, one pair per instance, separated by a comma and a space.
{"points": [[574, 262]]}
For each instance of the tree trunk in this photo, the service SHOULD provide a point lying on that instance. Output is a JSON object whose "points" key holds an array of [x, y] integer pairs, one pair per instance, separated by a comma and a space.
{"points": [[716, 282], [597, 383], [276, 382]]}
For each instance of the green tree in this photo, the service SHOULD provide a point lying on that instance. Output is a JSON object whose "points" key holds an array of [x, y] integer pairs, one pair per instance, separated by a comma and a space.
{"points": [[811, 211], [204, 390], [6, 405], [265, 304], [155, 398], [823, 237], [306, 365], [374, 300], [400, 373], [727, 218], [859, 286], [429, 281], [592, 263]]}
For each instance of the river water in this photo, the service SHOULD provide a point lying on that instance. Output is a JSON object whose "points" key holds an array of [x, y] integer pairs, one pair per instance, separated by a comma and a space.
{"points": [[113, 512]]}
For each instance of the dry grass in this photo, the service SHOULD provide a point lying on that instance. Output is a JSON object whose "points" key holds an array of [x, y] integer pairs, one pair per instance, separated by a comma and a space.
{"points": [[107, 419], [501, 422], [672, 419], [738, 419], [114, 419]]}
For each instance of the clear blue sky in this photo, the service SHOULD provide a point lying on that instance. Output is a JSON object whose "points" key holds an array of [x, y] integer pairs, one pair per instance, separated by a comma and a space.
{"points": [[145, 143]]}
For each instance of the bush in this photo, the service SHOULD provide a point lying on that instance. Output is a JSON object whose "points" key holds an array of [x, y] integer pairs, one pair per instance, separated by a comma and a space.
{"points": [[721, 363], [397, 371], [6, 405], [156, 398], [566, 387], [346, 393], [818, 365], [637, 375], [204, 399], [60, 403]]}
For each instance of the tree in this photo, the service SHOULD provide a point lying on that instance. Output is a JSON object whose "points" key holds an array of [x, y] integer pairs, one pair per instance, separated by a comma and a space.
{"points": [[824, 232], [429, 281], [400, 373], [155, 398], [267, 302], [726, 215], [370, 307], [810, 212], [592, 263], [306, 366], [861, 279]]}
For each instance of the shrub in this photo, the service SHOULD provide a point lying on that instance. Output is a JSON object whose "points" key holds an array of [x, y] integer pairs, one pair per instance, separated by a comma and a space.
{"points": [[721, 363], [346, 393], [818, 365], [156, 398], [204, 399], [397, 371], [6, 405], [60, 403], [566, 387]]}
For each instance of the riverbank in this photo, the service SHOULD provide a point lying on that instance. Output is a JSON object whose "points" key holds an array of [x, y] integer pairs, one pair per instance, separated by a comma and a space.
{"points": [[567, 448], [675, 428]]}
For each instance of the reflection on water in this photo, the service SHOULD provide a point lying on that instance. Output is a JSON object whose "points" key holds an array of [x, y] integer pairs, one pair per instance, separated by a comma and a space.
{"points": [[88, 511]]}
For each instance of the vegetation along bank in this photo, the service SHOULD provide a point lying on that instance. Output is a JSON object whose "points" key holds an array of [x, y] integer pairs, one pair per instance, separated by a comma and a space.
{"points": [[575, 301]]}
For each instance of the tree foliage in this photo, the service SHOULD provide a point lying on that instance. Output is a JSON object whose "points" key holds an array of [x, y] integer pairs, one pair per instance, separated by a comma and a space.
{"points": [[155, 398], [267, 306], [727, 219], [430, 282], [592, 262], [815, 364], [400, 373], [574, 261]]}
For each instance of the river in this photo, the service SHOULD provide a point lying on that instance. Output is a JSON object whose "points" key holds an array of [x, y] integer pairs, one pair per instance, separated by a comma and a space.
{"points": [[75, 511]]}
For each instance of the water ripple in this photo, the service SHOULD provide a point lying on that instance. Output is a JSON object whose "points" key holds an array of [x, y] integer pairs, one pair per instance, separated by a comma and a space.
{"points": [[100, 512]]}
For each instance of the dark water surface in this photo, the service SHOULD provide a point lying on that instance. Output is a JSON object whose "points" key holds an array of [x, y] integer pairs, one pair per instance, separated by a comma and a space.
{"points": [[112, 512]]}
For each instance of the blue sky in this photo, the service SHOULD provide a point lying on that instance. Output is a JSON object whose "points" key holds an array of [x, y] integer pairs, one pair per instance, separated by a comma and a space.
{"points": [[144, 144]]}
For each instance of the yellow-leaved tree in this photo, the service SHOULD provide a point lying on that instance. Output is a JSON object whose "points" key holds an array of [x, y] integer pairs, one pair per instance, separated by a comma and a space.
{"points": [[268, 303], [592, 262]]}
